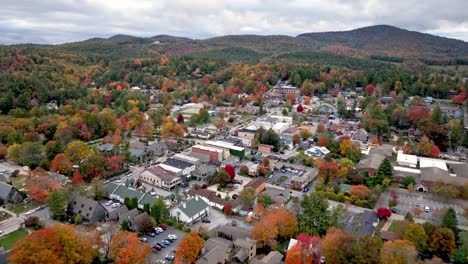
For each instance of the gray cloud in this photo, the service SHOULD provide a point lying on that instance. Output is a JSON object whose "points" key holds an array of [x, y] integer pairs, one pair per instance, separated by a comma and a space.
{"points": [[59, 21]]}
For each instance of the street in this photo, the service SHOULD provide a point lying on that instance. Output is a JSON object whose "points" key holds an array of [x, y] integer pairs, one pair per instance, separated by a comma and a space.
{"points": [[14, 223]]}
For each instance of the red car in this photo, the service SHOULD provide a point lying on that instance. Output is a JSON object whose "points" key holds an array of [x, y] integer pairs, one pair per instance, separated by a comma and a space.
{"points": [[157, 247], [164, 227]]}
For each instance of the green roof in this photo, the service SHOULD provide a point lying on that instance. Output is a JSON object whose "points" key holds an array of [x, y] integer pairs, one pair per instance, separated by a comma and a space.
{"points": [[345, 187], [193, 207]]}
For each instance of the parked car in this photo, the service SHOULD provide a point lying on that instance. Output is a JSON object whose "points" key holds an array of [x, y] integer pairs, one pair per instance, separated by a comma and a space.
{"points": [[306, 189], [108, 203], [172, 237], [164, 227], [166, 242], [30, 212], [234, 223], [426, 209], [152, 234], [322, 259], [115, 205], [206, 220], [144, 239], [161, 245], [157, 247], [42, 206], [119, 181], [170, 257], [159, 230], [394, 210]]}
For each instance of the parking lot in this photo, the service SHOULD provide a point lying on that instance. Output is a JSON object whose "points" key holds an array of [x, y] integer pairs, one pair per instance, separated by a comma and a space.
{"points": [[407, 202], [282, 178], [217, 218], [168, 250]]}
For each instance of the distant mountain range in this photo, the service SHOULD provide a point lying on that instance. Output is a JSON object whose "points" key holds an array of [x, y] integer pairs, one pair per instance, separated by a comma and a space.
{"points": [[380, 43]]}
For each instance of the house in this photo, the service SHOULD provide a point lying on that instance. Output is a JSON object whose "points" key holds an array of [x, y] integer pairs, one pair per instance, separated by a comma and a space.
{"points": [[64, 180], [258, 184], [212, 199], [190, 211], [246, 135], [234, 232], [367, 223], [193, 160], [273, 257], [325, 108], [216, 154], [185, 167], [9, 194], [119, 192], [360, 135], [246, 249], [371, 163], [129, 217], [287, 136], [113, 216], [89, 209], [266, 149], [140, 222], [215, 250], [317, 152], [160, 177], [203, 171]]}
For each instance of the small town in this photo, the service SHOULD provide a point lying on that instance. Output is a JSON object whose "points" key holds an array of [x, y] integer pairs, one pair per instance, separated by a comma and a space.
{"points": [[233, 132]]}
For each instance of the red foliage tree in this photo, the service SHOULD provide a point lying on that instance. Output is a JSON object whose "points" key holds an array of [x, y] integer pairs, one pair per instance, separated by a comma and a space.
{"points": [[322, 141], [231, 171], [77, 178], [300, 108], [227, 209], [383, 213], [435, 151], [418, 113], [180, 118], [116, 162], [459, 99], [61, 164], [329, 170], [370, 89]]}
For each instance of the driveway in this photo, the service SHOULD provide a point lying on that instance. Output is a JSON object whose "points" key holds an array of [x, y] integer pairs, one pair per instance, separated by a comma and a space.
{"points": [[217, 218]]}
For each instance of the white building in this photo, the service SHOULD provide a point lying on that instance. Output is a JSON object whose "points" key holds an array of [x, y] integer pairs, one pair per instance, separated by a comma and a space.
{"points": [[407, 160], [317, 152], [190, 211]]}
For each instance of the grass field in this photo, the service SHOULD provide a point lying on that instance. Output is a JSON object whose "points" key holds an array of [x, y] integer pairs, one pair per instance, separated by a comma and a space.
{"points": [[4, 216], [8, 240], [392, 226]]}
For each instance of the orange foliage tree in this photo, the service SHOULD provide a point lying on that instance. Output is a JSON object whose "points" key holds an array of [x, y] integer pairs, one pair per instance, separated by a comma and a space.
{"points": [[126, 248], [61, 164], [277, 222], [295, 256], [360, 191], [337, 246], [39, 187], [322, 141], [189, 248], [398, 251], [56, 244]]}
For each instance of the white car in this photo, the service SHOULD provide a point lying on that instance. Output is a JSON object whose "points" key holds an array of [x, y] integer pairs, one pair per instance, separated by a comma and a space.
{"points": [[30, 212], [159, 229], [426, 209], [115, 205], [119, 181], [108, 203], [172, 237]]}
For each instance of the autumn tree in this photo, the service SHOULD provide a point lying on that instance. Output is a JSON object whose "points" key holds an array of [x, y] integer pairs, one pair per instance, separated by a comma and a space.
{"points": [[320, 129], [247, 196], [398, 251], [305, 133], [265, 233], [300, 108], [337, 246], [279, 222], [360, 191], [383, 213], [442, 243], [329, 170], [415, 234], [189, 248], [56, 244], [77, 151], [180, 118], [231, 171], [126, 248], [418, 113], [61, 164], [366, 249], [227, 209], [370, 89], [39, 187], [295, 256], [296, 139], [77, 178]]}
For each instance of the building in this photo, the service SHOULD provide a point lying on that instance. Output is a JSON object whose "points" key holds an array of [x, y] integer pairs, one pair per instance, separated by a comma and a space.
{"points": [[367, 224], [273, 257], [9, 194], [159, 177], [266, 149], [278, 194], [215, 250], [227, 146], [371, 163], [258, 184], [317, 152], [119, 192], [185, 167], [193, 160], [190, 211], [246, 135], [203, 171], [216, 154], [300, 182], [406, 160], [89, 210], [129, 217], [212, 199]]}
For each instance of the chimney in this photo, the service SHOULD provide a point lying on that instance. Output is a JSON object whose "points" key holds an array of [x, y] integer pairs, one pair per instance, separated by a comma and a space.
{"points": [[184, 205]]}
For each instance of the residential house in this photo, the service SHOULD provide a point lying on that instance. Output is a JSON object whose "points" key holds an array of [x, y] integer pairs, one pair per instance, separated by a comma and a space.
{"points": [[160, 177], [60, 178], [190, 211], [258, 184], [360, 135], [193, 160], [9, 194], [278, 194], [325, 108], [129, 217], [367, 223], [246, 249], [89, 209], [119, 192], [246, 135], [407, 160], [317, 152], [215, 250], [212, 199], [287, 136], [273, 257], [371, 163], [234, 232], [266, 149]]}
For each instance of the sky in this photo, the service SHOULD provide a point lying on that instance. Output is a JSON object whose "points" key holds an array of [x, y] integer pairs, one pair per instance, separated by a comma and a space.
{"points": [[60, 21]]}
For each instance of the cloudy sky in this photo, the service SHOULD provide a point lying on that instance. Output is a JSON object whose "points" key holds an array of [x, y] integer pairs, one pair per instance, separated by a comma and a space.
{"points": [[59, 21]]}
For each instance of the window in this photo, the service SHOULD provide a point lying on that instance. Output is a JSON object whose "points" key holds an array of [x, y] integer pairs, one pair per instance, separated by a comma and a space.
{"points": [[90, 208]]}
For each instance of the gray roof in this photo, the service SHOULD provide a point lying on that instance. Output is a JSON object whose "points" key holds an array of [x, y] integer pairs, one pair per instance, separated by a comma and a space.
{"points": [[372, 161], [434, 174], [105, 147], [180, 164], [136, 152], [235, 231], [5, 190], [206, 169], [369, 217], [461, 170], [161, 173], [193, 206], [85, 207], [245, 242], [129, 215], [200, 156], [274, 257]]}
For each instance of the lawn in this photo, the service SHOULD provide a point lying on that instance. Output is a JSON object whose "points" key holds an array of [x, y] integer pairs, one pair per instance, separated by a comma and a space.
{"points": [[4, 216], [18, 181], [8, 241], [392, 226], [23, 207]]}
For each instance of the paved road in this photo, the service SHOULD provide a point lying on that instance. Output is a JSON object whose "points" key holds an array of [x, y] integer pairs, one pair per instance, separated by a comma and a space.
{"points": [[14, 223]]}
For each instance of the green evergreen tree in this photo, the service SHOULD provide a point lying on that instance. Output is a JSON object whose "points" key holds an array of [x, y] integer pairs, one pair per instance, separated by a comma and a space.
{"points": [[159, 211], [134, 202], [57, 204], [450, 221], [128, 202]]}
